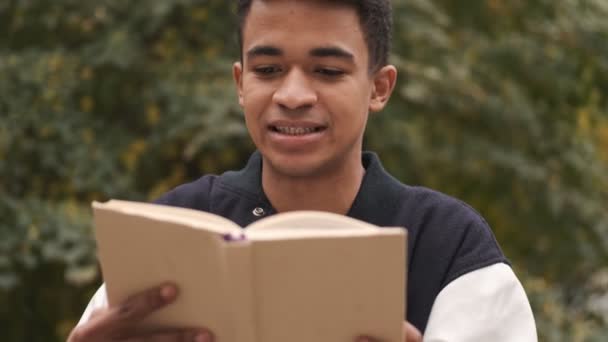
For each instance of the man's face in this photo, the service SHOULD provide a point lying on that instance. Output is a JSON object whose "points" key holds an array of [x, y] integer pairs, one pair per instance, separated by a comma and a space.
{"points": [[304, 85]]}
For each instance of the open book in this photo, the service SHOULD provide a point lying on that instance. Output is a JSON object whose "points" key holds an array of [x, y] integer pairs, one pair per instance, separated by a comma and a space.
{"points": [[297, 276]]}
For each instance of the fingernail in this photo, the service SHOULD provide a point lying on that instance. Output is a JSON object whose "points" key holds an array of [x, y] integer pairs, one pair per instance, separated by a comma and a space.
{"points": [[202, 337], [168, 292]]}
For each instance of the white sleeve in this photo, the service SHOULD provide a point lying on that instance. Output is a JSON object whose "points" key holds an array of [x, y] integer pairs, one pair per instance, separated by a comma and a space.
{"points": [[488, 304], [99, 301]]}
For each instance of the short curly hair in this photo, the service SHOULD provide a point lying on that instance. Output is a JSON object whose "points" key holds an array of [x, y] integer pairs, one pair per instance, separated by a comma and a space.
{"points": [[376, 21]]}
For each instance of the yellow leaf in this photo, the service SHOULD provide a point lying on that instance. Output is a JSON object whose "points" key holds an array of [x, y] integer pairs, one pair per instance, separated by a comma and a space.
{"points": [[602, 137], [496, 6], [88, 135], [132, 154], [176, 177], [200, 14], [211, 52], [87, 104], [101, 13], [65, 326], [46, 131], [87, 25], [55, 63], [229, 156], [57, 106], [583, 122], [33, 233], [86, 73], [71, 209], [152, 114]]}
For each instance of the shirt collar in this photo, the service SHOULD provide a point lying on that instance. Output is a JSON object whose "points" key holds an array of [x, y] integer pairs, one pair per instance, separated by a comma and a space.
{"points": [[378, 195]]}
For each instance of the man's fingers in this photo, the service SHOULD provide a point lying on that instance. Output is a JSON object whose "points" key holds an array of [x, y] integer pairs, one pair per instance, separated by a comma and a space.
{"points": [[121, 319], [411, 333], [365, 339], [137, 307], [119, 323]]}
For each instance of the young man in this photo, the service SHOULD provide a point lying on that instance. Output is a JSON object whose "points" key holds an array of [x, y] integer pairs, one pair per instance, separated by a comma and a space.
{"points": [[310, 73]]}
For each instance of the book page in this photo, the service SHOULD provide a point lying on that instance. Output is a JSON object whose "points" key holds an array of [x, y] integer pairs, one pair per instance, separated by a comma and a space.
{"points": [[301, 224], [138, 250], [239, 286], [330, 289], [194, 218]]}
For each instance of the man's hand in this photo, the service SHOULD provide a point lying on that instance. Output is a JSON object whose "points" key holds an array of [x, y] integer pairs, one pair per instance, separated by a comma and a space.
{"points": [[118, 323], [411, 335]]}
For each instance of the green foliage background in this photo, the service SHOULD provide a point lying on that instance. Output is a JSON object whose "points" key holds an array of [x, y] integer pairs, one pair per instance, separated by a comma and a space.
{"points": [[503, 104]]}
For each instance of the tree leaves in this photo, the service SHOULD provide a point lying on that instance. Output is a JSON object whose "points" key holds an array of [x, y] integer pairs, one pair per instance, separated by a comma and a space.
{"points": [[502, 104]]}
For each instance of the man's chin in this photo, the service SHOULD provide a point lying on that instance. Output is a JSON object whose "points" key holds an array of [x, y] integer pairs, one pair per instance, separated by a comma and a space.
{"points": [[295, 167]]}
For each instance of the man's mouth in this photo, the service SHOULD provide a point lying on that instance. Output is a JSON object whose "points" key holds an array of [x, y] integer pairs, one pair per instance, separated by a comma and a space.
{"points": [[295, 131]]}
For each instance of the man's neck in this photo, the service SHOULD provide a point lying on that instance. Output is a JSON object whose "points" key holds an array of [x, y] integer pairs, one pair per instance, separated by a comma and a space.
{"points": [[331, 191]]}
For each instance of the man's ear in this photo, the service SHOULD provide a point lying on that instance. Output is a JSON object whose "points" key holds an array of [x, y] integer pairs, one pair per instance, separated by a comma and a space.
{"points": [[383, 84], [237, 75]]}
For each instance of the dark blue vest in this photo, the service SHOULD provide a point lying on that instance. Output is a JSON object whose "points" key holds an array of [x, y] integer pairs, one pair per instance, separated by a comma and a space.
{"points": [[447, 238]]}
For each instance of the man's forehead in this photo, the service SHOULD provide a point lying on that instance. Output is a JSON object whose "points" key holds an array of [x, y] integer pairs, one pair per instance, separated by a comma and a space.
{"points": [[303, 29]]}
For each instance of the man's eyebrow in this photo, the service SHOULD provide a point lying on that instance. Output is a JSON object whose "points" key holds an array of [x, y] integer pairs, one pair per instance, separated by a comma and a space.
{"points": [[326, 51], [264, 50], [331, 51]]}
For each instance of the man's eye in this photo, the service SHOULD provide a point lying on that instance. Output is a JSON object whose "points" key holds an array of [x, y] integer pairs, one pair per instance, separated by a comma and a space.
{"points": [[266, 70], [329, 72]]}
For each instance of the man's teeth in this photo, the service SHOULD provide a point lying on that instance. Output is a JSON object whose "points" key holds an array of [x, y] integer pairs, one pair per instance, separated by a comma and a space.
{"points": [[295, 130]]}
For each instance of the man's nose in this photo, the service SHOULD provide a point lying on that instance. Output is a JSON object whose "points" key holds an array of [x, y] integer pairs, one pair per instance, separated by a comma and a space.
{"points": [[295, 91]]}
